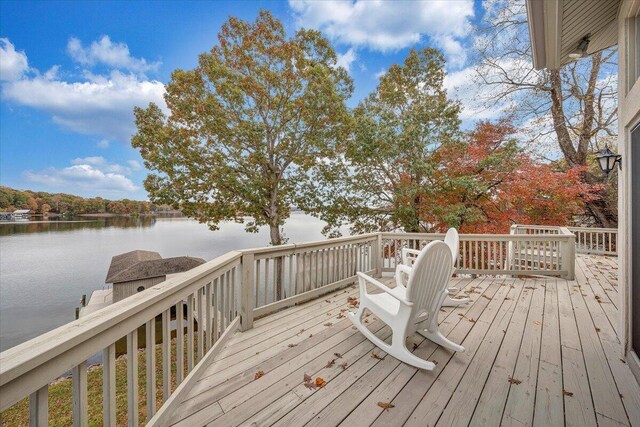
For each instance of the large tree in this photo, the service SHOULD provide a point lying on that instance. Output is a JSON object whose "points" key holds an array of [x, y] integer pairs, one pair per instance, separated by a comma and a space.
{"points": [[247, 126], [388, 161], [574, 107]]}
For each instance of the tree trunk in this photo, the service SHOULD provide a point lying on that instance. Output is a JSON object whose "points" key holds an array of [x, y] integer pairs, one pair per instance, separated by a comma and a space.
{"points": [[276, 239]]}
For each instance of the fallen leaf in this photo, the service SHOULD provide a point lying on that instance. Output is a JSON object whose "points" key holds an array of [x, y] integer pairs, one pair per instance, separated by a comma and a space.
{"points": [[537, 322], [386, 405], [443, 310], [597, 329], [330, 363], [344, 365], [340, 316], [514, 381], [486, 297], [328, 324], [320, 382], [472, 320], [292, 345], [307, 378], [301, 331], [529, 287], [338, 355], [366, 320], [327, 300], [258, 374], [375, 356], [567, 393], [310, 335]]}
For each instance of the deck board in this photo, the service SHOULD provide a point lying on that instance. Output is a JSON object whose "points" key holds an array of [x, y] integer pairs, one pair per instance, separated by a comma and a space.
{"points": [[538, 351]]}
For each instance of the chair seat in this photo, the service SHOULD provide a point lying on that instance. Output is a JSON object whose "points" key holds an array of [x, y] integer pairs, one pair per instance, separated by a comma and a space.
{"points": [[384, 302]]}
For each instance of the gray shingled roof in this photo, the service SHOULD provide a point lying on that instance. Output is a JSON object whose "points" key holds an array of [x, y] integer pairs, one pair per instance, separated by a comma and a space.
{"points": [[155, 268], [120, 263]]}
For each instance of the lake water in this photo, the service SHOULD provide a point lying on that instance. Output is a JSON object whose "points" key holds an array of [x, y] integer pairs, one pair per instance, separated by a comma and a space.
{"points": [[46, 267]]}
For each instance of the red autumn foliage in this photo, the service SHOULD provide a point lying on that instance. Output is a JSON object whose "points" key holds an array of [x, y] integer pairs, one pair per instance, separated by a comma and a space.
{"points": [[486, 183]]}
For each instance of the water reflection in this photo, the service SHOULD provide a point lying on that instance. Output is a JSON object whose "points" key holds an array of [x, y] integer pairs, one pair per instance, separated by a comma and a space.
{"points": [[79, 223]]}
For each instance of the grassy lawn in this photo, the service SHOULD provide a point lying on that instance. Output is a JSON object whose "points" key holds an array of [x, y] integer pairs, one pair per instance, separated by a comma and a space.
{"points": [[60, 399]]}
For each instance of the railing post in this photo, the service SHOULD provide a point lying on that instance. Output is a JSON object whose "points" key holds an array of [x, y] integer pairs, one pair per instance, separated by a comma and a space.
{"points": [[569, 254], [246, 292]]}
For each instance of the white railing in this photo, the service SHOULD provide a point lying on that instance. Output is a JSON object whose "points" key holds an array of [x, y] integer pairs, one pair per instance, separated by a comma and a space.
{"points": [[227, 293], [549, 251], [205, 299], [596, 241]]}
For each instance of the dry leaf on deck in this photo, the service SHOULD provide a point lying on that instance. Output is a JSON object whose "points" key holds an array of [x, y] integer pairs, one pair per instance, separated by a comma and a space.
{"points": [[344, 365], [567, 393], [486, 297], [338, 355], [307, 378], [320, 382], [328, 324], [340, 316], [514, 381], [259, 374], [386, 405], [327, 300], [330, 363], [375, 356], [292, 345]]}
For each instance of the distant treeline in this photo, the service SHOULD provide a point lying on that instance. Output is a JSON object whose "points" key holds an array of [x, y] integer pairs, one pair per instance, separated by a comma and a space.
{"points": [[66, 204]]}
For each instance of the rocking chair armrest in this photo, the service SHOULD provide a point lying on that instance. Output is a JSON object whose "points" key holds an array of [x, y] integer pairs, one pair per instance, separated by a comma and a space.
{"points": [[400, 270], [382, 286], [406, 252]]}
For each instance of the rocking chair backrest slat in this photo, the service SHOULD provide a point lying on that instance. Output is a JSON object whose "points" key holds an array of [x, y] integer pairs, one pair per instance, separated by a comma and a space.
{"points": [[430, 276], [452, 239]]}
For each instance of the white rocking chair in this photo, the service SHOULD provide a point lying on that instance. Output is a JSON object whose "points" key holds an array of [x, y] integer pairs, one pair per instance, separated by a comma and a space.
{"points": [[401, 307], [452, 239]]}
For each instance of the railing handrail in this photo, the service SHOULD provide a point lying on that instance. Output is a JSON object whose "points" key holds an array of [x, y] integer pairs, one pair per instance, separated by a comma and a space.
{"points": [[593, 229], [487, 237]]}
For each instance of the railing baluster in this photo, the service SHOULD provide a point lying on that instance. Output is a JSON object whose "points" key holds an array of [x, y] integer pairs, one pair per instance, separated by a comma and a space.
{"points": [[200, 314], [266, 281], [166, 354], [109, 386], [257, 275], [179, 342], [190, 332], [79, 391], [132, 378], [208, 311], [216, 309], [150, 346], [39, 407]]}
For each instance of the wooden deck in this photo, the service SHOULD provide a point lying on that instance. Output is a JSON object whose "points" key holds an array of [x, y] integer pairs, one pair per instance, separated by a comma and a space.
{"points": [[538, 352]]}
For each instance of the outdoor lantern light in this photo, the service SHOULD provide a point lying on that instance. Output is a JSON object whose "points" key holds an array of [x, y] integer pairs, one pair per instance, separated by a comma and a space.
{"points": [[581, 50], [607, 160]]}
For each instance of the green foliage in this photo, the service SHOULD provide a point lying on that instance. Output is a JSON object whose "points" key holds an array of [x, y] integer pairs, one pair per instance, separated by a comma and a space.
{"points": [[387, 163], [247, 126]]}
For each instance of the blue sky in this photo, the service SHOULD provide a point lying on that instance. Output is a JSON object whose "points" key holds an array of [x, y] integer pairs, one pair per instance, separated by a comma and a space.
{"points": [[71, 72]]}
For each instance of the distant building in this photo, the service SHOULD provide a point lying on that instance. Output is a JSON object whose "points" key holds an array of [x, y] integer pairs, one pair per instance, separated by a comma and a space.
{"points": [[17, 215], [136, 271]]}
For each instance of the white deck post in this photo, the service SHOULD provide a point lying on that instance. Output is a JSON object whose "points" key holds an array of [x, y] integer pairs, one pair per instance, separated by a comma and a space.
{"points": [[246, 291]]}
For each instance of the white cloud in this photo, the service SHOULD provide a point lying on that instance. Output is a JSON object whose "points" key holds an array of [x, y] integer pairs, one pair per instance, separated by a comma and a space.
{"points": [[113, 55], [390, 25], [101, 107], [103, 143], [380, 73], [90, 175], [94, 104], [346, 59], [13, 64]]}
